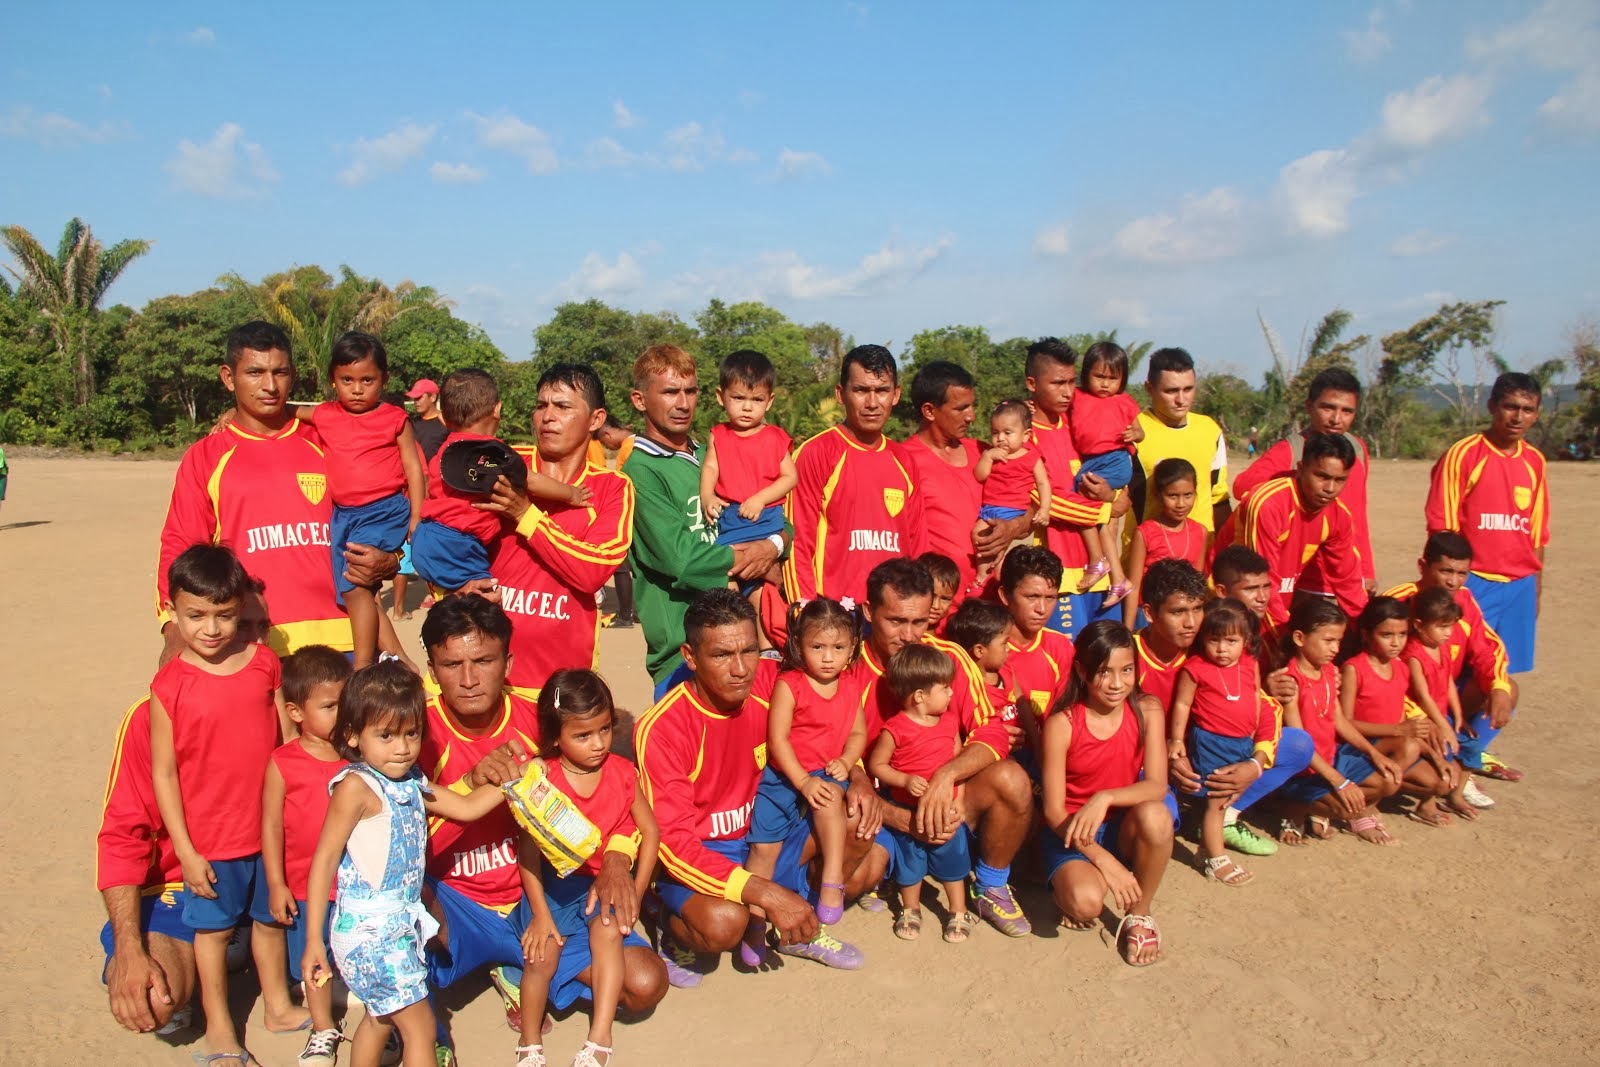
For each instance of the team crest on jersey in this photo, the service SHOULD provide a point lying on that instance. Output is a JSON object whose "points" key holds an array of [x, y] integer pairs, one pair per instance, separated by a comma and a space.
{"points": [[761, 756], [1523, 495], [894, 500], [314, 486]]}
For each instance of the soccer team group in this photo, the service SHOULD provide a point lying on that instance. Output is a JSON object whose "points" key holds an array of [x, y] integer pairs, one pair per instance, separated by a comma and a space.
{"points": [[875, 662]]}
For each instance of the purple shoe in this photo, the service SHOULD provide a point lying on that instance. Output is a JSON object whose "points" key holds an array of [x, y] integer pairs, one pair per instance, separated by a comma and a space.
{"points": [[753, 948], [828, 951], [682, 964], [1001, 910], [829, 914]]}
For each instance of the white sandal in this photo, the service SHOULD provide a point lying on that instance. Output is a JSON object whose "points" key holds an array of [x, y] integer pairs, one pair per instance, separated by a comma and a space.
{"points": [[586, 1056], [531, 1056]]}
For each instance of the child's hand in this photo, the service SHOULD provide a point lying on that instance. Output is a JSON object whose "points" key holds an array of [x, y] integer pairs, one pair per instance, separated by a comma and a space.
{"points": [[1350, 798], [314, 962], [713, 507], [1133, 434], [1123, 885], [1421, 729], [280, 902], [1086, 821], [819, 793], [1464, 727], [1176, 749], [541, 938], [996, 454], [837, 770], [1387, 767], [578, 494], [199, 877], [750, 511], [917, 786]]}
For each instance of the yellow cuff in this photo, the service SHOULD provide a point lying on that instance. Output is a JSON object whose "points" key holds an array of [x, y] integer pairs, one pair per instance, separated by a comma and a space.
{"points": [[627, 844], [530, 521], [983, 744], [736, 883], [1267, 754], [1502, 686]]}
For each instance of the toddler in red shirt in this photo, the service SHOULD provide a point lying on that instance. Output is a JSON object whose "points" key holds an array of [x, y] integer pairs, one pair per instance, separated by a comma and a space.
{"points": [[1170, 533], [1105, 426], [1012, 471], [1426, 658]]}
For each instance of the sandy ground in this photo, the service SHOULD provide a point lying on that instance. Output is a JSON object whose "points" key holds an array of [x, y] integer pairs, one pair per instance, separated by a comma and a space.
{"points": [[1471, 944]]}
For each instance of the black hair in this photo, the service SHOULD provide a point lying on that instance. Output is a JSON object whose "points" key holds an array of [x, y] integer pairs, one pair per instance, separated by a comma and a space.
{"points": [[874, 360], [1113, 355], [917, 666], [1012, 407], [1091, 652], [1446, 544], [712, 609], [1309, 613], [977, 622], [1167, 360], [1435, 605], [1379, 610], [1225, 617], [1333, 380], [353, 346], [1172, 470], [749, 368], [1514, 382], [818, 613], [580, 378], [310, 667], [1329, 446], [941, 568], [1029, 561], [902, 574], [211, 572], [1167, 578], [933, 381], [462, 614], [256, 336], [467, 396], [571, 694], [612, 422], [1236, 562], [385, 692], [1048, 350]]}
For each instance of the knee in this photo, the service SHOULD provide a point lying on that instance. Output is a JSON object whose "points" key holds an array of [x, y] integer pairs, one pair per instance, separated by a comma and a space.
{"points": [[644, 980], [1152, 822], [868, 873], [1080, 899], [1010, 787], [718, 924], [1294, 748]]}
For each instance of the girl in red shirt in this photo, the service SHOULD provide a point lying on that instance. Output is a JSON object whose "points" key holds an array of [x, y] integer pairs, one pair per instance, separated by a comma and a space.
{"points": [[1434, 614], [1105, 426], [1171, 534]]}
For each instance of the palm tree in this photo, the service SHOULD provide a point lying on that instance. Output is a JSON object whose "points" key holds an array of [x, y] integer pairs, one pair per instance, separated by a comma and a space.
{"points": [[69, 286]]}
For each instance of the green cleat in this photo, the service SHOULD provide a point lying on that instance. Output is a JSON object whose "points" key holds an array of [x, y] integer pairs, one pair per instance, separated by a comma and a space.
{"points": [[1241, 837]]}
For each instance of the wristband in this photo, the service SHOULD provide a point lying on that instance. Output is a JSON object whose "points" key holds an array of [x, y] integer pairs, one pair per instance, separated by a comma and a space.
{"points": [[776, 540], [1259, 769], [1342, 786]]}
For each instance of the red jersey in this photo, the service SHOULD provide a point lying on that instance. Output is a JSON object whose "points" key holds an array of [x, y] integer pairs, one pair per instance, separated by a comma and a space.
{"points": [[478, 859], [969, 707], [1227, 701], [855, 506], [1069, 512], [1004, 694], [1274, 522], [1280, 461], [1435, 671], [1011, 481], [1154, 677], [920, 750], [1497, 500], [609, 807], [699, 770], [453, 508], [305, 809], [551, 569], [951, 498], [1188, 543], [1319, 704], [265, 498], [363, 452], [1380, 701], [1473, 643], [1042, 668], [1095, 765], [132, 847], [747, 465], [1098, 422], [821, 725], [224, 728]]}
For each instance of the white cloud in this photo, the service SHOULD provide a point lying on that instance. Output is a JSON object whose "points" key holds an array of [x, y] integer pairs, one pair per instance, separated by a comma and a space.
{"points": [[794, 165], [1562, 36], [785, 274], [508, 133], [1126, 312], [1575, 109], [1053, 240], [54, 129], [1317, 190], [455, 173], [203, 36], [691, 146], [598, 277], [625, 119], [1418, 243], [1370, 43], [606, 152], [381, 155], [226, 166], [1206, 227], [1438, 109]]}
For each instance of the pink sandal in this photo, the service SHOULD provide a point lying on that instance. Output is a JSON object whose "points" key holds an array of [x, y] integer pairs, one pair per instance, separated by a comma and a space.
{"points": [[829, 914]]}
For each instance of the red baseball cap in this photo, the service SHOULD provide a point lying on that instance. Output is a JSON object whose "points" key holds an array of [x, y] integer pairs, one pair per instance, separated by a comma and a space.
{"points": [[424, 387]]}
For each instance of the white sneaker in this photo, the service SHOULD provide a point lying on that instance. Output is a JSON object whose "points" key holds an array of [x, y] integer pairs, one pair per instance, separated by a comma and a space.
{"points": [[1475, 796]]}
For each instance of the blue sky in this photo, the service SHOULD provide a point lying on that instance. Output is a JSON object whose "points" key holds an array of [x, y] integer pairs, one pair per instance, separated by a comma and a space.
{"points": [[1166, 169]]}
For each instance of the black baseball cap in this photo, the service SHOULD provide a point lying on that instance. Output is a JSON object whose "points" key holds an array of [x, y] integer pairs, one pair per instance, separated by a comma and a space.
{"points": [[473, 466]]}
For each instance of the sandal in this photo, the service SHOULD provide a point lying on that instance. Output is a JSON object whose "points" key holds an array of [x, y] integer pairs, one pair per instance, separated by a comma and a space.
{"points": [[1115, 594], [531, 1056], [829, 914], [1435, 818], [1093, 573], [1370, 830], [1291, 833], [908, 925], [1233, 874], [1142, 933], [1321, 827], [587, 1057], [958, 927], [243, 1056]]}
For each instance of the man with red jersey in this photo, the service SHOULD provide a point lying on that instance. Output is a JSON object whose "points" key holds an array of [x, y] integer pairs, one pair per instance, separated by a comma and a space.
{"points": [[996, 798], [1295, 522], [1051, 373], [701, 750], [857, 503], [1490, 487], [1331, 405], [552, 559], [943, 459], [477, 733], [260, 486]]}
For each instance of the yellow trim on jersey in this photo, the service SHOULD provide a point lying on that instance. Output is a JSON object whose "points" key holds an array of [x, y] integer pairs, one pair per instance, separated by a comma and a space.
{"points": [[627, 844], [818, 570], [288, 637]]}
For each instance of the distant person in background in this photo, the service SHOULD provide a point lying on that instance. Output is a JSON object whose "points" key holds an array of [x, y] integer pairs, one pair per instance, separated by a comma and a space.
{"points": [[426, 424], [5, 472]]}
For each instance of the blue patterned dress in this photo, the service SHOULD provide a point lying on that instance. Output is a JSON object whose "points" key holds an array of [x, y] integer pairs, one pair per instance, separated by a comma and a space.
{"points": [[379, 923]]}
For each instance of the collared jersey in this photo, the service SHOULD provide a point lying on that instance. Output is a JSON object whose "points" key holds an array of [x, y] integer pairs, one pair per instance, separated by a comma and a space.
{"points": [[453, 508], [597, 454], [1069, 511], [855, 506], [1199, 440], [479, 859], [550, 570], [132, 847], [1004, 694], [1042, 668], [920, 750], [305, 809], [970, 705], [1156, 677], [1279, 462], [267, 499], [1011, 482], [609, 807], [363, 452], [747, 465], [1098, 421], [951, 499], [1497, 500], [1473, 643], [1274, 523]]}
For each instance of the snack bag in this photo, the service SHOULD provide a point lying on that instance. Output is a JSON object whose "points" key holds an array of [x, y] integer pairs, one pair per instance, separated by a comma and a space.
{"points": [[563, 833]]}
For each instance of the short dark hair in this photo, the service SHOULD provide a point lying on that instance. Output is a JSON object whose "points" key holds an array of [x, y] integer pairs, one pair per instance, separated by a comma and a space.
{"points": [[467, 396], [749, 368], [918, 666], [579, 377], [1225, 617], [1514, 382], [571, 694], [1092, 650], [941, 568], [256, 336], [1235, 562], [902, 574], [1333, 380], [1329, 446], [1048, 350], [977, 622], [1029, 561], [818, 613], [1014, 408], [1164, 360], [1435, 605], [462, 614], [933, 381], [712, 609], [310, 667], [1446, 544], [1379, 610], [1309, 613], [353, 346], [1171, 470], [874, 361], [1113, 355], [211, 572], [383, 692], [1167, 578]]}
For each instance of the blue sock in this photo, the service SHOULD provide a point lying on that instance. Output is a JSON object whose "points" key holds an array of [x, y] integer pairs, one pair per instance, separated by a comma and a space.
{"points": [[992, 877]]}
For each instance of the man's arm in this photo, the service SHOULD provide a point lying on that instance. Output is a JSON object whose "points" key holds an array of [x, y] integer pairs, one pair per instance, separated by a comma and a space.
{"points": [[665, 543], [1275, 462], [191, 519], [1447, 487], [132, 977], [1340, 559], [586, 562]]}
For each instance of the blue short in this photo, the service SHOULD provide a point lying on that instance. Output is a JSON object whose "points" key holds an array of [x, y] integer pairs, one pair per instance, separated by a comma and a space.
{"points": [[914, 860], [446, 557], [381, 524], [674, 894], [567, 898], [779, 808], [1209, 752], [159, 913], [1115, 468], [999, 513], [1055, 854], [734, 529], [295, 937], [1512, 610], [406, 568], [1074, 611], [1310, 787], [479, 936], [239, 893]]}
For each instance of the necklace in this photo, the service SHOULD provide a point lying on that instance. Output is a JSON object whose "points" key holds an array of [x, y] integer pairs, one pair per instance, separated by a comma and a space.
{"points": [[570, 769], [1167, 538], [1238, 680]]}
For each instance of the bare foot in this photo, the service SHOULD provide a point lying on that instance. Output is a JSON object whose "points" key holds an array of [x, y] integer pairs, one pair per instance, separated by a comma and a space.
{"points": [[400, 616], [1457, 804], [1429, 813], [287, 1022]]}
